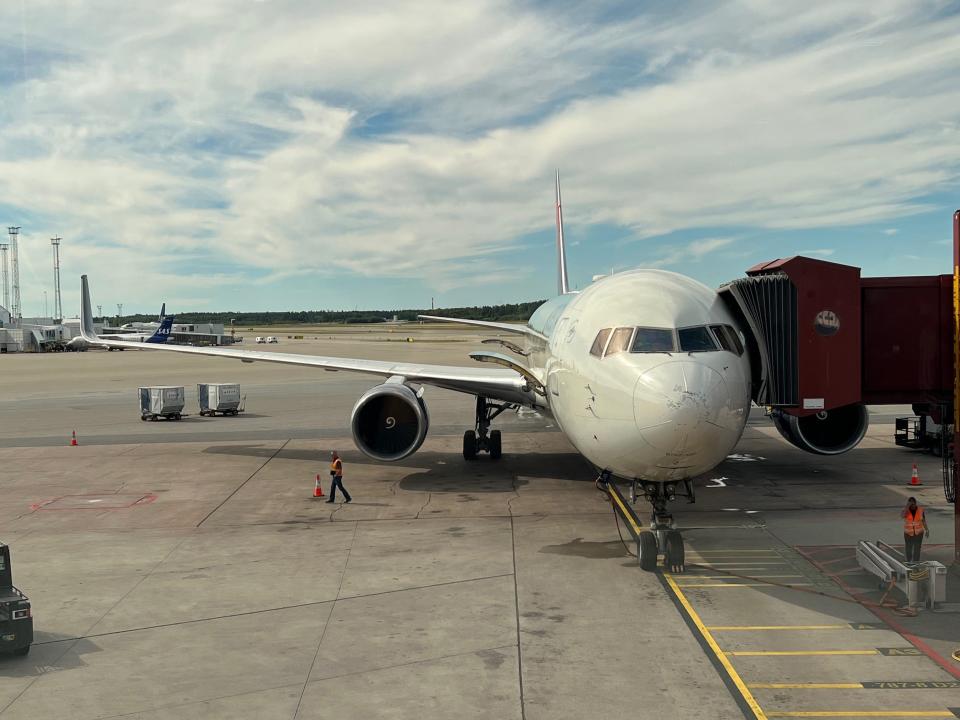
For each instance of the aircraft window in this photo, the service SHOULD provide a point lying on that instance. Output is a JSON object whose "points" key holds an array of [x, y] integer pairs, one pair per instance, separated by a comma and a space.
{"points": [[696, 339], [600, 342], [619, 341], [720, 332], [653, 340], [735, 336]]}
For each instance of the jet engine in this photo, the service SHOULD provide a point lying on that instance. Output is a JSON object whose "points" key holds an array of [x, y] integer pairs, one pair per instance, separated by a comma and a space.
{"points": [[389, 421], [829, 432]]}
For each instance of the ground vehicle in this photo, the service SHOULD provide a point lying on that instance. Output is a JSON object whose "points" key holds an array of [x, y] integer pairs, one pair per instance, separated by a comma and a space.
{"points": [[272, 340], [16, 616], [223, 398], [260, 340], [161, 402]]}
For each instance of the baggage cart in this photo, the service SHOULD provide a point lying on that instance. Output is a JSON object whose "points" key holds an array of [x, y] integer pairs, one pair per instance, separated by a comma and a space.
{"points": [[161, 402], [16, 616], [223, 398]]}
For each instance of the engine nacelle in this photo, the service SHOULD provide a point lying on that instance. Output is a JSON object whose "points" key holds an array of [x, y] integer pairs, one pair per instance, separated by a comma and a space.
{"points": [[389, 422], [829, 432]]}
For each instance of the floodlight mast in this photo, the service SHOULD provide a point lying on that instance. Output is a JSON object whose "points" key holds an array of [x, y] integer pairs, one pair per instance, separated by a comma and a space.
{"points": [[16, 312], [57, 302]]}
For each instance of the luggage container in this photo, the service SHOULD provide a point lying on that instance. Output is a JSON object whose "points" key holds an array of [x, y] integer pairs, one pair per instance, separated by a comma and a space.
{"points": [[223, 398], [161, 402], [16, 617]]}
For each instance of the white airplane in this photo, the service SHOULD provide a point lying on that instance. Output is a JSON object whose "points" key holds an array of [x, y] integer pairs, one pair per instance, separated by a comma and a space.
{"points": [[647, 373], [158, 336], [146, 326]]}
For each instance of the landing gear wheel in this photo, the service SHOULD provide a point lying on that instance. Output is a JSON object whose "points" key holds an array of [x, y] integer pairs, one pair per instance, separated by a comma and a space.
{"points": [[495, 447], [647, 551], [469, 445], [674, 556]]}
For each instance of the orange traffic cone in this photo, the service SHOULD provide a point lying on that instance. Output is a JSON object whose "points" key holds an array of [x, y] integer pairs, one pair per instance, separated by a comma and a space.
{"points": [[73, 439], [915, 477], [318, 488]]}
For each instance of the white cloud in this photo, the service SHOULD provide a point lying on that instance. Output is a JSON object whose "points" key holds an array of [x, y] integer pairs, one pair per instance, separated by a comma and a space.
{"points": [[693, 251], [825, 252], [890, 231], [243, 131]]}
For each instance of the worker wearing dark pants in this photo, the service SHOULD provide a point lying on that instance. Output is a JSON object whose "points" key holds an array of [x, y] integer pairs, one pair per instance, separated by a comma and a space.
{"points": [[914, 529], [336, 472]]}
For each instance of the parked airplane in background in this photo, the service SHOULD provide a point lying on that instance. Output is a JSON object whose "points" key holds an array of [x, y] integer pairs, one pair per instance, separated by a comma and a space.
{"points": [[159, 336], [647, 372], [146, 326]]}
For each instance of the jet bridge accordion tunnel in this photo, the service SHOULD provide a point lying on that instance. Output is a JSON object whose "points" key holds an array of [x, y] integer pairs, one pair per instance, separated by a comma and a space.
{"points": [[825, 343]]}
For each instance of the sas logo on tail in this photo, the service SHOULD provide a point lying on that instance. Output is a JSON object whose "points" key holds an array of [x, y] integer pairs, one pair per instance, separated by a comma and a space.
{"points": [[163, 332]]}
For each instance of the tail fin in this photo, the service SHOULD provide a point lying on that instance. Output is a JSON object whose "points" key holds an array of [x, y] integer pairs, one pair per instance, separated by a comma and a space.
{"points": [[163, 332], [163, 313], [563, 286], [86, 313]]}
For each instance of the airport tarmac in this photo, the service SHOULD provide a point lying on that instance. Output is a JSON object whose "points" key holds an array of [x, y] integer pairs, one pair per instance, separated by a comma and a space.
{"points": [[183, 570]]}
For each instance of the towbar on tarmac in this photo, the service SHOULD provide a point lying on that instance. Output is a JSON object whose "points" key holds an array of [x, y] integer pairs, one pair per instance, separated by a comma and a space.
{"points": [[923, 583]]}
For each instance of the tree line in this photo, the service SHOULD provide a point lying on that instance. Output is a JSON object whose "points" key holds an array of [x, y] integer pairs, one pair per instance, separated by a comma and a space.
{"points": [[518, 312]]}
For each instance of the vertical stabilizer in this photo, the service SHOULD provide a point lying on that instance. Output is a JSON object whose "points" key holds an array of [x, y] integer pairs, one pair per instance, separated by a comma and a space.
{"points": [[563, 286]]}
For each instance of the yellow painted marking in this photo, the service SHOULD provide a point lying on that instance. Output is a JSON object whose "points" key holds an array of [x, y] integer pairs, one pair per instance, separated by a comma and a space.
{"points": [[751, 562], [727, 665], [804, 653], [728, 628], [732, 577], [626, 513], [865, 713], [732, 584], [806, 686]]}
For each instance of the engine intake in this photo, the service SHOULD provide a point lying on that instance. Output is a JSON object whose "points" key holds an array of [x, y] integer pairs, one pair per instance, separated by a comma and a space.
{"points": [[829, 432], [389, 422]]}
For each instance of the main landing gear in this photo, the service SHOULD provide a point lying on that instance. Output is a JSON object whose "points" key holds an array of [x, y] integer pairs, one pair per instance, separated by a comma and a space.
{"points": [[483, 439], [662, 538]]}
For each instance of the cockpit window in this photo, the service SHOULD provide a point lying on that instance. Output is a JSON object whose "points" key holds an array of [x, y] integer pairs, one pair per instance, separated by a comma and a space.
{"points": [[653, 340], [696, 339], [728, 338], [600, 342], [619, 341]]}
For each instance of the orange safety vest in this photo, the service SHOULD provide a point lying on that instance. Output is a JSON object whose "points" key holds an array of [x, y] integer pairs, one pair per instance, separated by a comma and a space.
{"points": [[913, 525], [337, 467]]}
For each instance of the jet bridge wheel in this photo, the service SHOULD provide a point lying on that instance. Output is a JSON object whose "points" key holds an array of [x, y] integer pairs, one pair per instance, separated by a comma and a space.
{"points": [[674, 558], [647, 551]]}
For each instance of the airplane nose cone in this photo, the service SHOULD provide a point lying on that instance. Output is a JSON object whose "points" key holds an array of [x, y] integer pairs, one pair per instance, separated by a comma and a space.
{"points": [[684, 408]]}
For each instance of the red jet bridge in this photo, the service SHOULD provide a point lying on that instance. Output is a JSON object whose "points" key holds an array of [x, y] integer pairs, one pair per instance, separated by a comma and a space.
{"points": [[825, 342]]}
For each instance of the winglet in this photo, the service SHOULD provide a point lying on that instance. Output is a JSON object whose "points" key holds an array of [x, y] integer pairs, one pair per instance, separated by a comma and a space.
{"points": [[87, 330], [563, 286]]}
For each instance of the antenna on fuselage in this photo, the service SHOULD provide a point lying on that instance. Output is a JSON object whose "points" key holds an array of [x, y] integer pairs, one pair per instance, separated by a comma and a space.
{"points": [[563, 286]]}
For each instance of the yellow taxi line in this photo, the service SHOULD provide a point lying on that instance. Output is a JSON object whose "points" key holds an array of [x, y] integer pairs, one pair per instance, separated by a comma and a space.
{"points": [[863, 713], [723, 585], [715, 648], [728, 628], [799, 653]]}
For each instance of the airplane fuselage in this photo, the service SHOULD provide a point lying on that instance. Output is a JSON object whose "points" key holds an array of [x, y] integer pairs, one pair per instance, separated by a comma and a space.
{"points": [[665, 394]]}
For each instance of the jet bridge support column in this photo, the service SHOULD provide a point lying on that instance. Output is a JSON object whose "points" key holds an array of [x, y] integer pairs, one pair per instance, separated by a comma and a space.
{"points": [[950, 483]]}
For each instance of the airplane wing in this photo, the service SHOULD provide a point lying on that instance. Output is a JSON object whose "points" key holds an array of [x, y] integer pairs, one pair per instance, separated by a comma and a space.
{"points": [[495, 383], [515, 328]]}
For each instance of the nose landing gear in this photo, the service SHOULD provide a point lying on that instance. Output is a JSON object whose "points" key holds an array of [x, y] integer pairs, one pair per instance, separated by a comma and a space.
{"points": [[662, 537]]}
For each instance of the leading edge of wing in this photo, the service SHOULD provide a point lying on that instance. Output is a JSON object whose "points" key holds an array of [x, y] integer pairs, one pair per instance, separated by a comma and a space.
{"points": [[497, 383], [514, 328]]}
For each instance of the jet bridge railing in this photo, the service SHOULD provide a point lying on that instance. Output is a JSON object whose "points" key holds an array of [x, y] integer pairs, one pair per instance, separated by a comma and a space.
{"points": [[923, 583]]}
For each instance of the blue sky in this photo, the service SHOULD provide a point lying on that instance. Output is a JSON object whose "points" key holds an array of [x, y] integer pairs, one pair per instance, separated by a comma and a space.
{"points": [[280, 154]]}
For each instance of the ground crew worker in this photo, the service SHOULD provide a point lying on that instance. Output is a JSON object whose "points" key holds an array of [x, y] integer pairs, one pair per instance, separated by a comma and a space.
{"points": [[914, 529], [336, 473]]}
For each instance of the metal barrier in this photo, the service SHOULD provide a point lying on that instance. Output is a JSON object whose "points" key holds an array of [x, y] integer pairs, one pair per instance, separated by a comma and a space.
{"points": [[923, 583]]}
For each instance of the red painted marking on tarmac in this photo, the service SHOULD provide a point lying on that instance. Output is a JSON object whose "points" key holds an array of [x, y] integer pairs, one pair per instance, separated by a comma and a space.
{"points": [[887, 618]]}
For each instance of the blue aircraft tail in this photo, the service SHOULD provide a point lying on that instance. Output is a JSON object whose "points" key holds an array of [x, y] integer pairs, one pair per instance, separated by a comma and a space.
{"points": [[163, 332]]}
